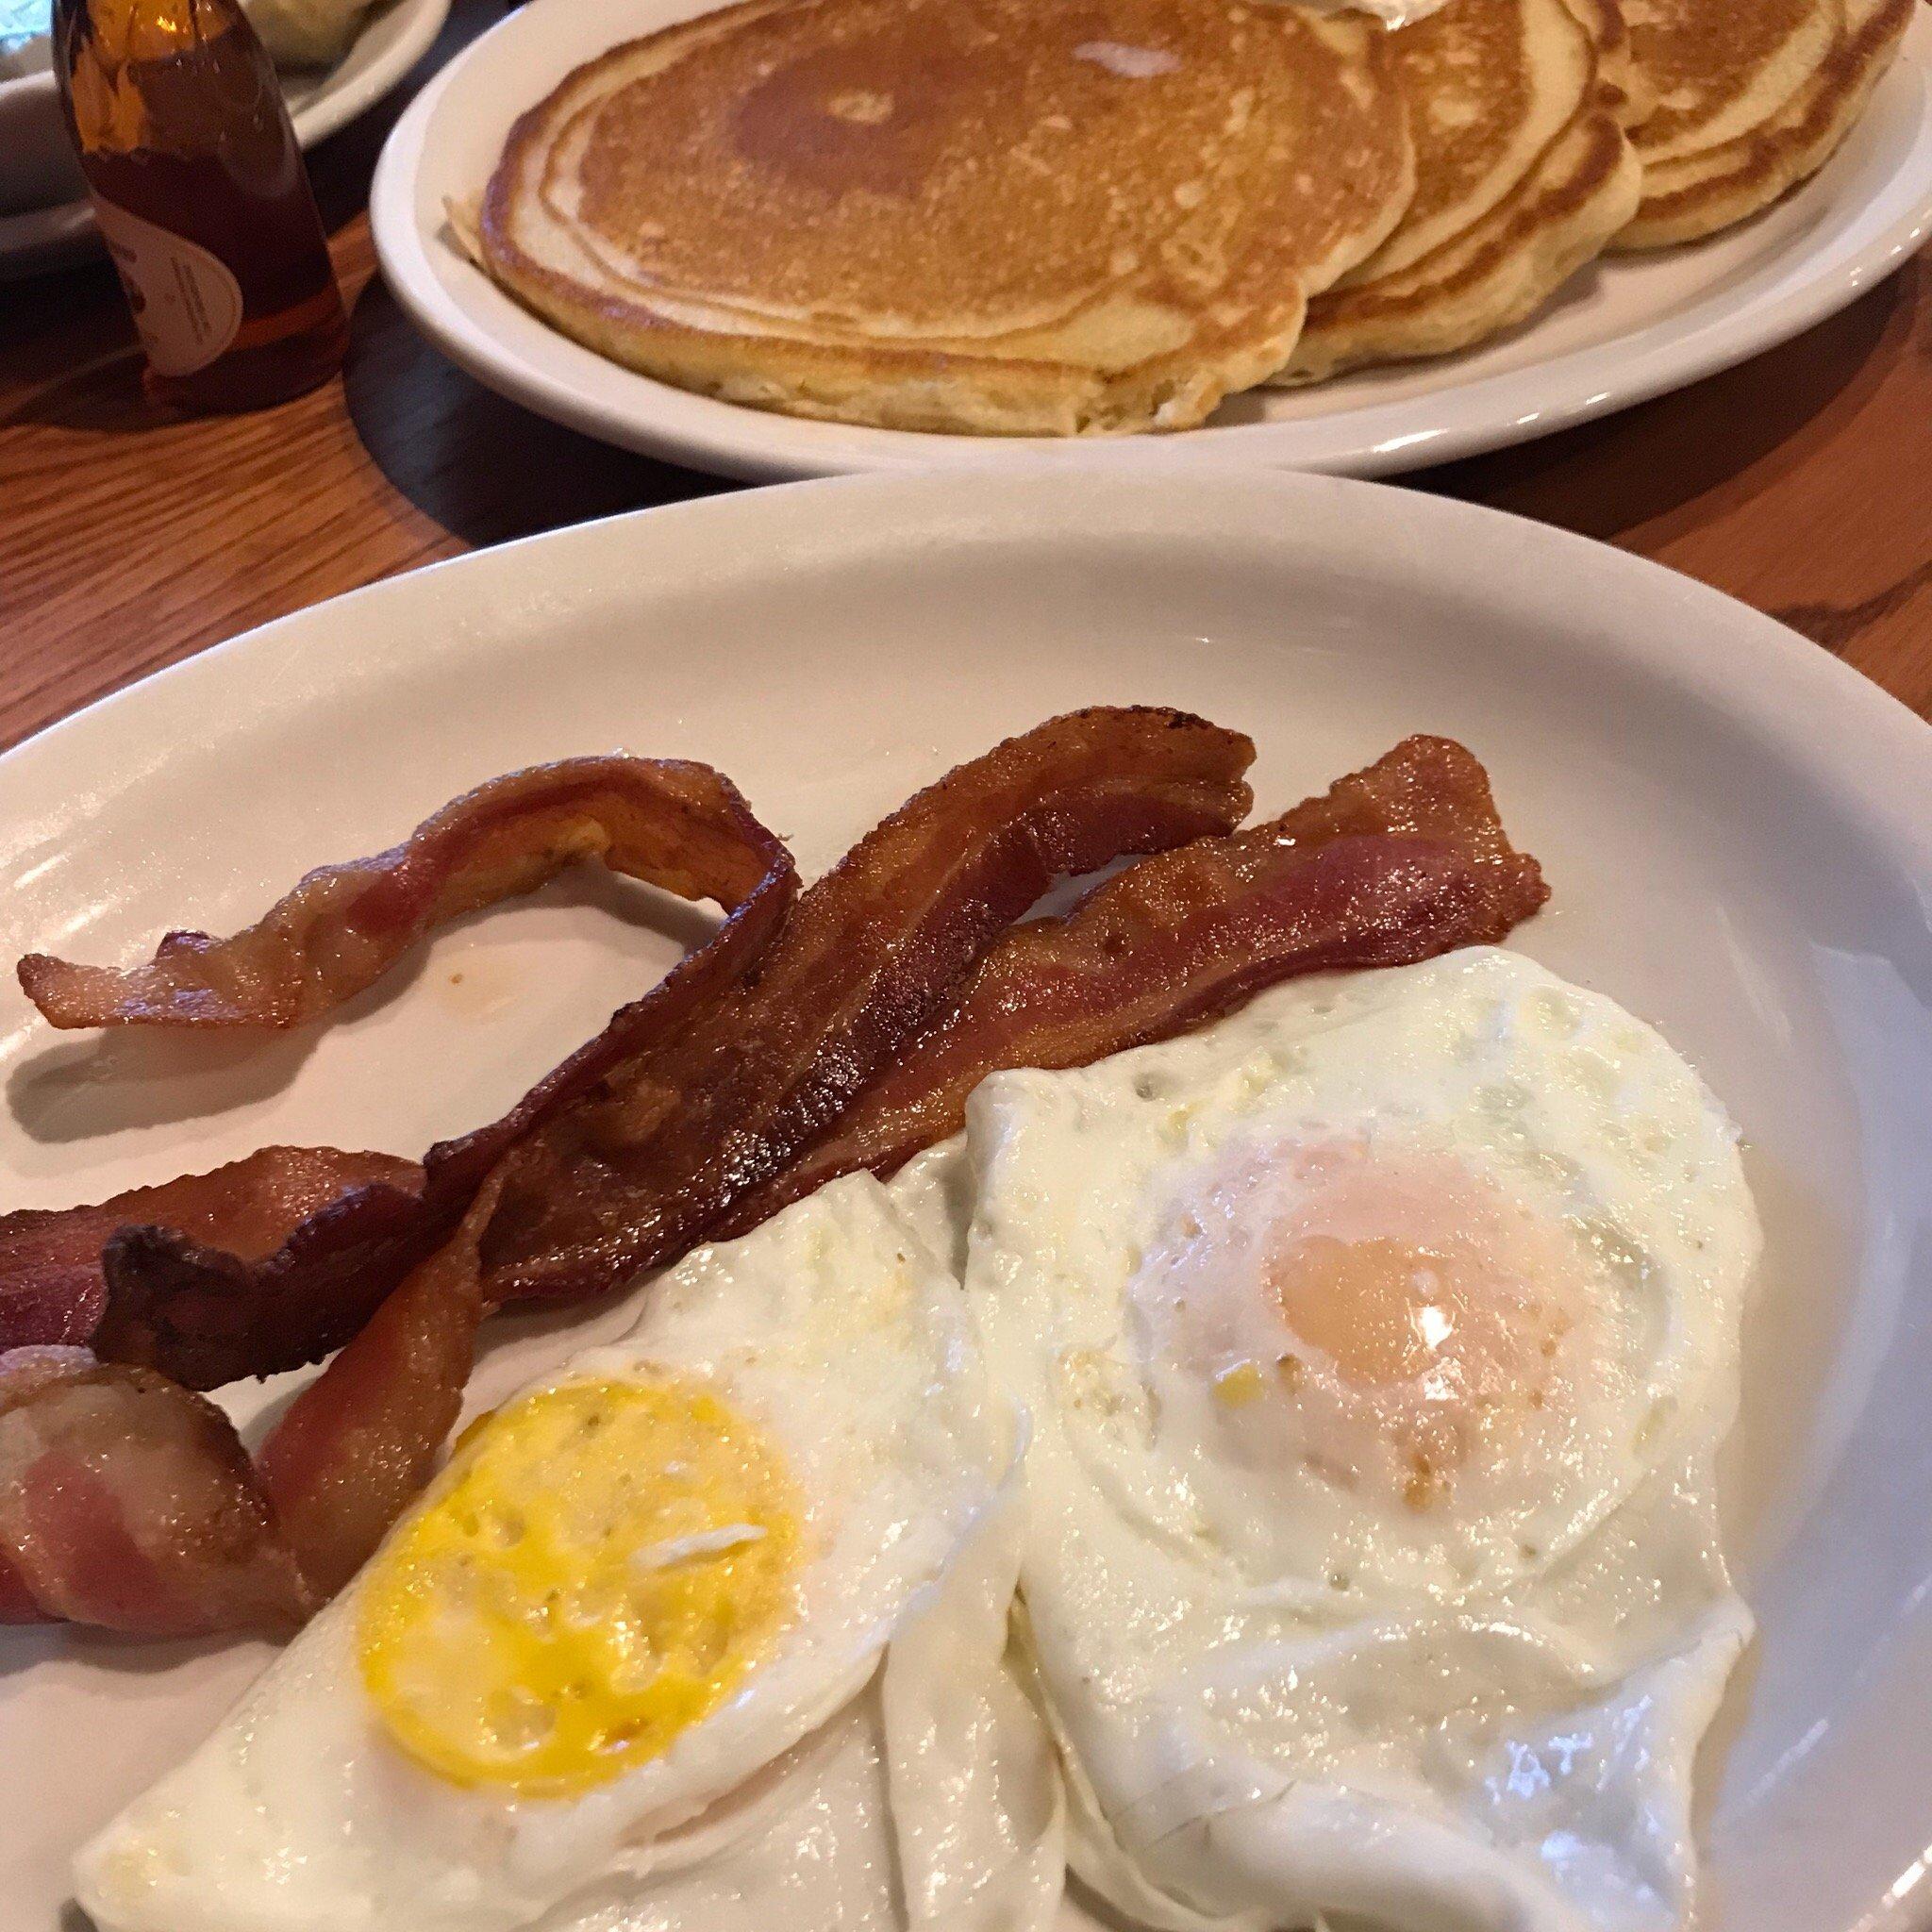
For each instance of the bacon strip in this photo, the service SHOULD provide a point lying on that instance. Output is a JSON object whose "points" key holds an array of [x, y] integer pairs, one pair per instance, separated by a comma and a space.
{"points": [[1395, 863], [889, 937], [343, 927], [362, 1439], [868, 952], [648, 1162], [271, 1263], [51, 1283], [128, 1502]]}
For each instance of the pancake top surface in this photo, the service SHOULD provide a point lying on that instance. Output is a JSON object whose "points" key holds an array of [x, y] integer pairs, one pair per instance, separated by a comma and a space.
{"points": [[967, 167]]}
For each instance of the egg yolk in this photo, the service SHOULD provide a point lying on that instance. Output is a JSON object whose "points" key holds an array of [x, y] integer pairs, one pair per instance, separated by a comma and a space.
{"points": [[1422, 1289], [603, 1564]]}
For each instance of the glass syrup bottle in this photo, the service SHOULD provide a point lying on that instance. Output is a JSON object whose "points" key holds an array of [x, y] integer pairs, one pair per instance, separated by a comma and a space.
{"points": [[202, 197]]}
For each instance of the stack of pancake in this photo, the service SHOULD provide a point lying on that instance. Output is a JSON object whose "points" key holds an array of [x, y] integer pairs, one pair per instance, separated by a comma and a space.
{"points": [[1060, 217], [1523, 171], [1752, 98]]}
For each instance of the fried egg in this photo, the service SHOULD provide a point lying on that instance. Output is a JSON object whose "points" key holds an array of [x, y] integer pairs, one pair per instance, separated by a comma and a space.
{"points": [[743, 1572], [1379, 1341]]}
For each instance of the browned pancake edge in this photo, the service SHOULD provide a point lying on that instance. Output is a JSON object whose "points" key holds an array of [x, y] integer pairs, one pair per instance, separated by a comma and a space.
{"points": [[1581, 191], [1746, 175]]}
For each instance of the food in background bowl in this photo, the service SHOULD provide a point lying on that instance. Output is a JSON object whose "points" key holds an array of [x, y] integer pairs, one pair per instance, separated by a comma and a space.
{"points": [[307, 33]]}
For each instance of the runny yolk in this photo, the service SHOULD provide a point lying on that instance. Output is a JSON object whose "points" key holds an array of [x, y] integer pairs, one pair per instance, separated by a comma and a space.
{"points": [[603, 1564], [1429, 1293], [1381, 1310]]}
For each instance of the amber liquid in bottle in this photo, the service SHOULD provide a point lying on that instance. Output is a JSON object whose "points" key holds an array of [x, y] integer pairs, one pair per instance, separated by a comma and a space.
{"points": [[203, 198]]}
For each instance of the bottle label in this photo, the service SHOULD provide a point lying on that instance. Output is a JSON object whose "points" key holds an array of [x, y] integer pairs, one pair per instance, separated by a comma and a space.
{"points": [[187, 306]]}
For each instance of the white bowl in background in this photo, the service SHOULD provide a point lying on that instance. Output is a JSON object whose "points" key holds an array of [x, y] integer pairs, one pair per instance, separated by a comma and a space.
{"points": [[37, 165], [393, 38]]}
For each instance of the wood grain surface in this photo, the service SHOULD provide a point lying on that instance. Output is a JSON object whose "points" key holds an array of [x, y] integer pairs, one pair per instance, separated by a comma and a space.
{"points": [[129, 539]]}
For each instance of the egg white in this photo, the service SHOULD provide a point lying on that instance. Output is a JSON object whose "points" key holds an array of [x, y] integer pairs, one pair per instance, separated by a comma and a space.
{"points": [[836, 1332], [1480, 1721], [934, 1796]]}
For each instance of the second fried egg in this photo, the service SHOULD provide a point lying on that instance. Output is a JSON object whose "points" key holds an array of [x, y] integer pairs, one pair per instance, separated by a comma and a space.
{"points": [[1357, 1330]]}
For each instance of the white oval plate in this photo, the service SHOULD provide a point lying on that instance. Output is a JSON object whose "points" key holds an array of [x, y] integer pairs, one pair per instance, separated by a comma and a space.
{"points": [[395, 37], [1623, 330], [1739, 831]]}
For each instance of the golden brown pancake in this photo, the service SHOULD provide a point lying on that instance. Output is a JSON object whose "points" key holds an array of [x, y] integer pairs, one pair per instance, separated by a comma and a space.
{"points": [[1722, 68], [984, 215], [1627, 90], [1523, 172], [1800, 107]]}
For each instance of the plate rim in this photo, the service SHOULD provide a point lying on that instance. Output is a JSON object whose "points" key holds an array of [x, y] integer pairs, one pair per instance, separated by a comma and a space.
{"points": [[1512, 405], [1432, 544]]}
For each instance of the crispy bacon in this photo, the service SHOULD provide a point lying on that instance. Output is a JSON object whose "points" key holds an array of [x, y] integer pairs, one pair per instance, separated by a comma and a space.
{"points": [[875, 944], [18, 1603], [51, 1284], [128, 1502], [363, 1438], [343, 926], [647, 1163], [715, 1108], [885, 943], [867, 952], [273, 1261], [1397, 862]]}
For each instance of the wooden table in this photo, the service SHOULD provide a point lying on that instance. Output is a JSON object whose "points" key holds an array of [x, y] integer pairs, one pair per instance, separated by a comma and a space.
{"points": [[128, 540]]}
